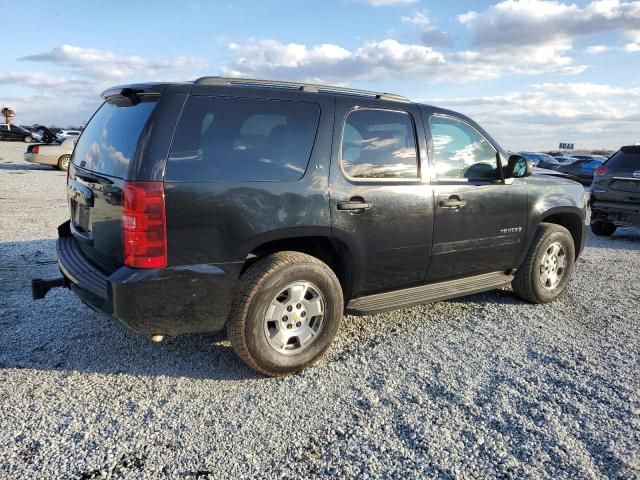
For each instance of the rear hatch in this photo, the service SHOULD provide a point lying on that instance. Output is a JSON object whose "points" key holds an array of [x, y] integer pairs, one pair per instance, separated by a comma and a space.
{"points": [[100, 163], [618, 179]]}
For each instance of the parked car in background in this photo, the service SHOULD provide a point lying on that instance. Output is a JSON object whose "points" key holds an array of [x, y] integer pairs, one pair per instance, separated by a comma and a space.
{"points": [[615, 192], [268, 208], [601, 158], [564, 160], [14, 132], [55, 154], [582, 168], [69, 134], [43, 134], [541, 160]]}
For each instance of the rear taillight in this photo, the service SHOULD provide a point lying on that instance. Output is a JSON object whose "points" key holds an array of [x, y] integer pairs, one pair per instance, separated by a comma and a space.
{"points": [[602, 170], [144, 225], [35, 150]]}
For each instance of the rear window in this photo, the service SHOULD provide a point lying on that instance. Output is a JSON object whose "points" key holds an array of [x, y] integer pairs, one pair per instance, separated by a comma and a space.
{"points": [[109, 140], [234, 139], [629, 160]]}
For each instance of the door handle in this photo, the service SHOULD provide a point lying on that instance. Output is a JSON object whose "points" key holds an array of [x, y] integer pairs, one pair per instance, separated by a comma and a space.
{"points": [[355, 204], [452, 202]]}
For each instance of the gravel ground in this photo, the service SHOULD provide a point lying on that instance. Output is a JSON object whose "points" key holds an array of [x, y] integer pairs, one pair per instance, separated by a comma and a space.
{"points": [[486, 386]]}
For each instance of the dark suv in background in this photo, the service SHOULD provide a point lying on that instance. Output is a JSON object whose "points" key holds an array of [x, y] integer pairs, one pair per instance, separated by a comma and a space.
{"points": [[615, 192], [269, 208]]}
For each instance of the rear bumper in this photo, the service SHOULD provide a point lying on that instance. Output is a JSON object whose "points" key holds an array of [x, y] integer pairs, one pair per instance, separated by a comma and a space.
{"points": [[167, 301], [622, 214]]}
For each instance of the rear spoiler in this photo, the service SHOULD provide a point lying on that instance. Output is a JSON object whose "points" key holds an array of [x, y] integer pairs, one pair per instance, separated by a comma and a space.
{"points": [[129, 95]]}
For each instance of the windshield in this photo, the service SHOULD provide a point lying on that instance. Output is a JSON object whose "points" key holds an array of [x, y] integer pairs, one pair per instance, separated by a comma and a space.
{"points": [[110, 139]]}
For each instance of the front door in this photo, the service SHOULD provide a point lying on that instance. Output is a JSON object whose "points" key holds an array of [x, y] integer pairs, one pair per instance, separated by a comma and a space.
{"points": [[480, 217], [380, 206]]}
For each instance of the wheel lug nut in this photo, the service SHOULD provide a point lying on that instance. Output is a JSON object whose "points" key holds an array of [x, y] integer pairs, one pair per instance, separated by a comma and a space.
{"points": [[289, 308], [303, 314], [298, 306], [289, 325], [285, 318], [298, 324]]}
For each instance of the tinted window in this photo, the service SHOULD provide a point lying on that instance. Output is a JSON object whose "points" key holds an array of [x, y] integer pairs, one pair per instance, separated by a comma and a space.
{"points": [[625, 160], [243, 140], [379, 144], [459, 151], [109, 140]]}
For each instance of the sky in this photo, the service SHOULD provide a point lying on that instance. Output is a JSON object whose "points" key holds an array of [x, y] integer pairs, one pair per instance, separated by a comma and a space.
{"points": [[534, 73]]}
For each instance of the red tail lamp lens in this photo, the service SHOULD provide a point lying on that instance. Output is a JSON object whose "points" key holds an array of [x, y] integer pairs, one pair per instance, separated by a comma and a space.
{"points": [[144, 225]]}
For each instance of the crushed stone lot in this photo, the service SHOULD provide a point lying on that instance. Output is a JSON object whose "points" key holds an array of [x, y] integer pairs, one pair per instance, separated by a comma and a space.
{"points": [[479, 387]]}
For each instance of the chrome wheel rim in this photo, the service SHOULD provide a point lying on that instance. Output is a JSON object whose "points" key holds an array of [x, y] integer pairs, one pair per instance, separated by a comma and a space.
{"points": [[295, 318], [553, 265], [65, 163]]}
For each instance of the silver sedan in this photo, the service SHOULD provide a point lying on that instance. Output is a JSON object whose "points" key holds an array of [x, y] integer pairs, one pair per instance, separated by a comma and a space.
{"points": [[54, 154]]}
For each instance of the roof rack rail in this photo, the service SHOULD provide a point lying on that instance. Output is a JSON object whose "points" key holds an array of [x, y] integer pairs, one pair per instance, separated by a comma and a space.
{"points": [[304, 87]]}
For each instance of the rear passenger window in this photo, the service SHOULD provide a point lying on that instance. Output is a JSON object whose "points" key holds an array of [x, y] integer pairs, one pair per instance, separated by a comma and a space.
{"points": [[379, 144], [225, 139]]}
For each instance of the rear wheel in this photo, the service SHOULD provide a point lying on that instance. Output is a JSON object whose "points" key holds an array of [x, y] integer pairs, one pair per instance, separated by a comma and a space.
{"points": [[603, 229], [548, 266], [286, 313], [63, 162]]}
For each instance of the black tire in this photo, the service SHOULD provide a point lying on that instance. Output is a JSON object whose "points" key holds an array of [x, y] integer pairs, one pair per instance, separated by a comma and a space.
{"points": [[28, 139], [603, 229], [63, 162], [258, 287], [528, 281]]}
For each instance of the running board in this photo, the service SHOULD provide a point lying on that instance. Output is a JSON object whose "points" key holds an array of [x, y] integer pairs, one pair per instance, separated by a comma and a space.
{"points": [[433, 292]]}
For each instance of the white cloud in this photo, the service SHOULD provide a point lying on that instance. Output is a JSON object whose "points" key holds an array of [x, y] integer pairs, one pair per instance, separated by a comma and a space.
{"points": [[40, 80], [430, 33], [268, 58], [632, 47], [71, 94], [527, 22], [386, 3], [590, 115], [106, 65], [595, 49], [330, 63]]}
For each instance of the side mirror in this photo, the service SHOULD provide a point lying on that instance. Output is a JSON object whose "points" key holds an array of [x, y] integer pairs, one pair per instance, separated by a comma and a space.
{"points": [[518, 167]]}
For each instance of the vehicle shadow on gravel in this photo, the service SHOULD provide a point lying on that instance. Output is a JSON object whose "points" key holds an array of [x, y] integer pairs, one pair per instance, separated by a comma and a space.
{"points": [[22, 166], [61, 333]]}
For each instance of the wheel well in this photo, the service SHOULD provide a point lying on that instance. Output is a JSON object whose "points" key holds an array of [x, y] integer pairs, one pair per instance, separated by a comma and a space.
{"points": [[332, 252], [571, 222]]}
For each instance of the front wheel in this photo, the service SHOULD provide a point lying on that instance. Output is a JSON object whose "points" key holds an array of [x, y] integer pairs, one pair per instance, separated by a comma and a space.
{"points": [[286, 313], [28, 139], [548, 266]]}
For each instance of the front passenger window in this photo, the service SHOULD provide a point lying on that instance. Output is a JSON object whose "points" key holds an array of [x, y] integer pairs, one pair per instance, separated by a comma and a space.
{"points": [[461, 152]]}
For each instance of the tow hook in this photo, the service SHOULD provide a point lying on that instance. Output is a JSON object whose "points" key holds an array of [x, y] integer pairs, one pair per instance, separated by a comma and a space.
{"points": [[40, 287]]}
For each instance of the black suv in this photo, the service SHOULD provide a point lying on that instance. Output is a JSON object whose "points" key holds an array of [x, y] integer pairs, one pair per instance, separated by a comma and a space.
{"points": [[615, 192], [13, 132], [270, 208]]}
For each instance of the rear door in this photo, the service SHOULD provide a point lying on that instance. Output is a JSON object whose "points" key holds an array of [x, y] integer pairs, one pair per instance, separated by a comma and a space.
{"points": [[100, 163], [619, 178], [380, 206], [480, 218]]}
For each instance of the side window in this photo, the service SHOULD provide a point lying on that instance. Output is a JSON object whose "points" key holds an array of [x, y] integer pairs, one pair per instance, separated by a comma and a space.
{"points": [[4, 128], [242, 139], [379, 144], [460, 152]]}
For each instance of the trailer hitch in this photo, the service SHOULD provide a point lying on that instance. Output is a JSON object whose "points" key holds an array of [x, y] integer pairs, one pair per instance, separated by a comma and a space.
{"points": [[40, 287]]}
